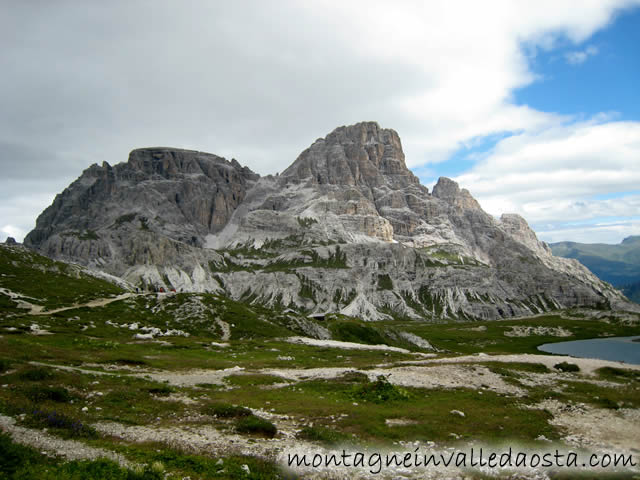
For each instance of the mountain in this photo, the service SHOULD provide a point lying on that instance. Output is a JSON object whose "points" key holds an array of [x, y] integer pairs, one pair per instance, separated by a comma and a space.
{"points": [[347, 228], [617, 264]]}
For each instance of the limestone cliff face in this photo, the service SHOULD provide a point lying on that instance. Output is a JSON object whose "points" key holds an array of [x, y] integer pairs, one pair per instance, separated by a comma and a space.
{"points": [[359, 155], [361, 172], [346, 228], [153, 209]]}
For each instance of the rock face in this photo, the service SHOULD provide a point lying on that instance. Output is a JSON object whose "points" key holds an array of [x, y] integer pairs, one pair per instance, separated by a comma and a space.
{"points": [[153, 210], [346, 228]]}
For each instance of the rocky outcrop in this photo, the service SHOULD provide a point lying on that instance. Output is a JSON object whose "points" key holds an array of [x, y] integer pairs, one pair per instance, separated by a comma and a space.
{"points": [[156, 209], [448, 190], [346, 228]]}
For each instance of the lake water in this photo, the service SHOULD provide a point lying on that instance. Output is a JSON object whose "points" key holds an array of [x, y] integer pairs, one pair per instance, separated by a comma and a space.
{"points": [[621, 349]]}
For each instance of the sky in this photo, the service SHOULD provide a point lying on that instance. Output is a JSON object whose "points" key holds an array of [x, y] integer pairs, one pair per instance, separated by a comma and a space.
{"points": [[531, 106]]}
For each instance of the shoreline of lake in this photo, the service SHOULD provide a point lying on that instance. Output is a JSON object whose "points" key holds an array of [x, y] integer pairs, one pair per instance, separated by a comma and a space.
{"points": [[619, 349]]}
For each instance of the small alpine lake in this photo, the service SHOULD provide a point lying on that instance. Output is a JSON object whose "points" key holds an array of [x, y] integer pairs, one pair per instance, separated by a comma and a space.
{"points": [[620, 349]]}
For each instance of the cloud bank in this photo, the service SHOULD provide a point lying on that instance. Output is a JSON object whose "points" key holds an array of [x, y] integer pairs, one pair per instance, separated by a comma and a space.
{"points": [[85, 82]]}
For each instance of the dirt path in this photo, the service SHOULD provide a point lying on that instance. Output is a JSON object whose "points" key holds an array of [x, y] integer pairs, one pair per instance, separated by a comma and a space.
{"points": [[44, 442], [100, 302], [73, 369]]}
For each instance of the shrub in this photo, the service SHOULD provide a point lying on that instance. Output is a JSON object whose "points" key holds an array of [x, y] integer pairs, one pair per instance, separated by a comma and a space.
{"points": [[37, 374], [128, 361], [226, 410], [55, 394], [4, 365], [126, 218], [161, 390], [606, 402], [256, 425], [567, 367], [71, 426], [380, 391], [322, 435], [13, 456], [385, 282], [352, 376], [253, 379]]}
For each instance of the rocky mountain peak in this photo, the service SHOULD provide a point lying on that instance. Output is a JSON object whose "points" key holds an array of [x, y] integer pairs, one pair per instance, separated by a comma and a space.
{"points": [[171, 162], [449, 191], [346, 228], [518, 228], [360, 155]]}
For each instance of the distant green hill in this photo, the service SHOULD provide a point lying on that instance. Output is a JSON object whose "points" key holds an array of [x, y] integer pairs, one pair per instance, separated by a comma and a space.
{"points": [[617, 264]]}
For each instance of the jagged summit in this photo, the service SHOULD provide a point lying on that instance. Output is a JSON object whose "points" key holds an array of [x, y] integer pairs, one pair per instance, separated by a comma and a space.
{"points": [[346, 228], [360, 154], [167, 161], [449, 191], [185, 194]]}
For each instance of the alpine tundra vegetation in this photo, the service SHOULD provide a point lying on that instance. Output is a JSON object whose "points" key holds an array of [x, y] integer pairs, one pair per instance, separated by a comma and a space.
{"points": [[179, 316]]}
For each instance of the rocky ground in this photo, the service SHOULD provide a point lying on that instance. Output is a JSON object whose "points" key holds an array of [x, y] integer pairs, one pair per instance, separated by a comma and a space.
{"points": [[582, 425]]}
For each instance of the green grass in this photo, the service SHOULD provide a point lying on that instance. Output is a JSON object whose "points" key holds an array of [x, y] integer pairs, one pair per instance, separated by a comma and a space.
{"points": [[466, 338], [253, 380], [122, 398], [4, 365], [331, 404], [181, 464], [385, 282], [516, 367], [356, 331], [347, 409], [225, 410], [49, 283], [255, 425], [161, 390], [19, 462], [39, 394], [618, 374], [323, 435], [598, 396], [604, 397], [380, 391], [36, 374]]}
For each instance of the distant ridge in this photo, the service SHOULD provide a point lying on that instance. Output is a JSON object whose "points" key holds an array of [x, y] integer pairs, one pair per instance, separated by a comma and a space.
{"points": [[618, 264]]}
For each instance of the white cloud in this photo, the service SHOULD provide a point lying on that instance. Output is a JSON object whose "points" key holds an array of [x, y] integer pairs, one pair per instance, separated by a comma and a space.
{"points": [[612, 232], [561, 174], [580, 56], [261, 80], [13, 231]]}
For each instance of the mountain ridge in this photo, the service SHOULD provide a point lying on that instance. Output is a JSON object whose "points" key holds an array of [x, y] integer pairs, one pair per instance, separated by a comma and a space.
{"points": [[346, 228], [618, 264]]}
